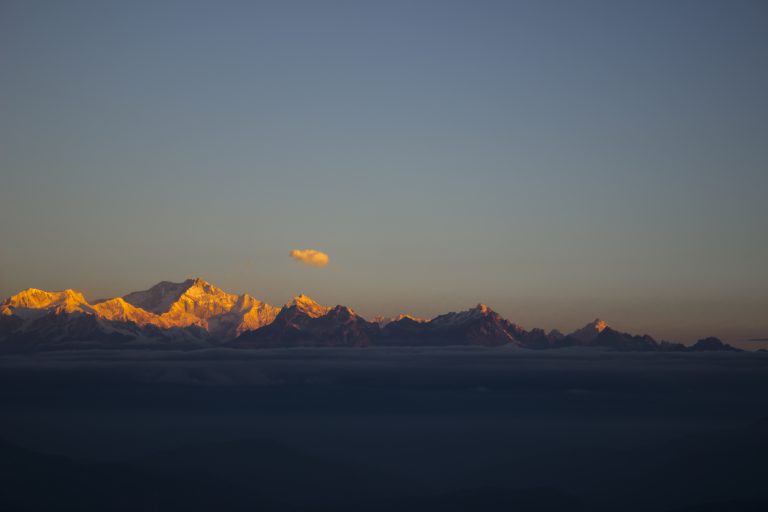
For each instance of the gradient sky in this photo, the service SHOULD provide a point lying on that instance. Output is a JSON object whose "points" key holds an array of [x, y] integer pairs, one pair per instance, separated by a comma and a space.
{"points": [[559, 161]]}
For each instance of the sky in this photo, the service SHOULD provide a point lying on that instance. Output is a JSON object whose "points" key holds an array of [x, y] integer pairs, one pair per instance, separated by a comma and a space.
{"points": [[560, 161]]}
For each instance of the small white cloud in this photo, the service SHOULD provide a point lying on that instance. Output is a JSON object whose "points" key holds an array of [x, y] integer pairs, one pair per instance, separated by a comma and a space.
{"points": [[310, 257]]}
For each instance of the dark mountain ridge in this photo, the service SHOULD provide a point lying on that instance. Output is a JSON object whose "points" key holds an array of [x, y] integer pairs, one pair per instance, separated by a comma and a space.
{"points": [[195, 313]]}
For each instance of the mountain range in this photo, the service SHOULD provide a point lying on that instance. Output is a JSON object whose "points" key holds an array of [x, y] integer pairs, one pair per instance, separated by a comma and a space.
{"points": [[195, 313]]}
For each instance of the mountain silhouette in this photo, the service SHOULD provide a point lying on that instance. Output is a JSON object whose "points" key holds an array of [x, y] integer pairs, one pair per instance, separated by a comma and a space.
{"points": [[195, 313]]}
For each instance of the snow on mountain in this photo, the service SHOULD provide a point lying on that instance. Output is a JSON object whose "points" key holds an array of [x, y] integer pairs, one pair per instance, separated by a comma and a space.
{"points": [[197, 302], [192, 302], [32, 303], [196, 312], [119, 310], [247, 314], [477, 326], [598, 334], [308, 306], [383, 321], [304, 322], [450, 319], [589, 332], [165, 307], [159, 298]]}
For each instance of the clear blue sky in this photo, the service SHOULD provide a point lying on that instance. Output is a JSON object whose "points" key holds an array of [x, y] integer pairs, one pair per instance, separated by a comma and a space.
{"points": [[557, 160]]}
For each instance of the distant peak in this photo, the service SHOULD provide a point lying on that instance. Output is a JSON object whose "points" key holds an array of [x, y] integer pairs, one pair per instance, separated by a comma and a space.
{"points": [[161, 297], [197, 281], [246, 300], [382, 320], [482, 308], [303, 299], [713, 343], [590, 331], [114, 300], [199, 286], [343, 309], [35, 298], [308, 305], [402, 316]]}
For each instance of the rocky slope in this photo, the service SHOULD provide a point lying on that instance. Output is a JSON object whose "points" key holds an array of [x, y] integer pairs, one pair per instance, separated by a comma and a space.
{"points": [[305, 322]]}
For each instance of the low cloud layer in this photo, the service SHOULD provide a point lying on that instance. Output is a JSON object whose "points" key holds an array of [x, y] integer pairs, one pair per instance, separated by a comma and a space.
{"points": [[310, 257]]}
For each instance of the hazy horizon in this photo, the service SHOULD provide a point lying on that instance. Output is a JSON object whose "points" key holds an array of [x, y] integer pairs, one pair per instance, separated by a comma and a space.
{"points": [[557, 161]]}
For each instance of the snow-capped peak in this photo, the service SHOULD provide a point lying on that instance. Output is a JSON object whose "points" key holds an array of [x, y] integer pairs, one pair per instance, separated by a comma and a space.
{"points": [[119, 310], [198, 302], [590, 331], [382, 321], [307, 305], [159, 298], [32, 298], [479, 311]]}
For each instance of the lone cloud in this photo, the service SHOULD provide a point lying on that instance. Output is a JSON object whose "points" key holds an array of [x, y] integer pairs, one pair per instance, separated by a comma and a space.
{"points": [[310, 257]]}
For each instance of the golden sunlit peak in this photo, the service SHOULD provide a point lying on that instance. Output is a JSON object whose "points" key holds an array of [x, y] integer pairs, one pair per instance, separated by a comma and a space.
{"points": [[590, 331], [302, 300], [308, 305], [245, 301], [198, 281], [35, 298]]}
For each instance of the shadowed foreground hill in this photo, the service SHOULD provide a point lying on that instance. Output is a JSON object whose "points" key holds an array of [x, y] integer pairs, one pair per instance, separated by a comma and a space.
{"points": [[32, 481], [36, 482], [287, 474], [382, 428], [216, 478], [727, 506], [487, 499]]}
